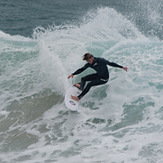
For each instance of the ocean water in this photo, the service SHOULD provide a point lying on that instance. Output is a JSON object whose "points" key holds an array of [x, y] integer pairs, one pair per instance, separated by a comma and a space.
{"points": [[41, 43]]}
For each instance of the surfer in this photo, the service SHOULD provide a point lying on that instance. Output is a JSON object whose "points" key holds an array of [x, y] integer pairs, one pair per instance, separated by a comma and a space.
{"points": [[100, 77]]}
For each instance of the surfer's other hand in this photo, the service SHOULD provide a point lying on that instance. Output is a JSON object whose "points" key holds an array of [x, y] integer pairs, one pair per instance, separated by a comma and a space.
{"points": [[125, 68], [70, 76]]}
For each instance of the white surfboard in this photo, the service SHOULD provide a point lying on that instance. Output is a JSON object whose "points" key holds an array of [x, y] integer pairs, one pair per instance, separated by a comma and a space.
{"points": [[69, 102]]}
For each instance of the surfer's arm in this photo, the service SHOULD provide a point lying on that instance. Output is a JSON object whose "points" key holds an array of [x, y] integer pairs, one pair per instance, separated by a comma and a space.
{"points": [[115, 65], [81, 69], [78, 71]]}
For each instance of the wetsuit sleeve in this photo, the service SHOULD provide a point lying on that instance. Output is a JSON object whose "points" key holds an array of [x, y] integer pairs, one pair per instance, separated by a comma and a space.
{"points": [[81, 69], [113, 64]]}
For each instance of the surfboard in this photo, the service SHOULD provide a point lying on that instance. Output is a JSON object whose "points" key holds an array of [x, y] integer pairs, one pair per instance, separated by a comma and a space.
{"points": [[69, 102]]}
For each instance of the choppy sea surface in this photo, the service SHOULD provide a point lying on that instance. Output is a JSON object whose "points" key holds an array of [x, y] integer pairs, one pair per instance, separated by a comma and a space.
{"points": [[41, 43]]}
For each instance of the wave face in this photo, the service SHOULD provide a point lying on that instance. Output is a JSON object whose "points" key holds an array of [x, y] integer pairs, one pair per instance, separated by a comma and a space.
{"points": [[123, 118]]}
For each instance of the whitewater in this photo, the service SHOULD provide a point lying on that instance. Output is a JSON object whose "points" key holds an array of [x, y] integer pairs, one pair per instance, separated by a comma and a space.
{"points": [[120, 122]]}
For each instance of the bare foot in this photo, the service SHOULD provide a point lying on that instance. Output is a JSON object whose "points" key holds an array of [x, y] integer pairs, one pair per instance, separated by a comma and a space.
{"points": [[75, 98], [77, 85]]}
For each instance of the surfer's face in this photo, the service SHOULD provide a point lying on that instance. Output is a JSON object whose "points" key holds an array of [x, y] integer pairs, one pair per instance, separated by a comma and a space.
{"points": [[90, 60]]}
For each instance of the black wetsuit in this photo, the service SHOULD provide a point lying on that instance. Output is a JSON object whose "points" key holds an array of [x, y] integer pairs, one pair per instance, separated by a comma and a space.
{"points": [[100, 77]]}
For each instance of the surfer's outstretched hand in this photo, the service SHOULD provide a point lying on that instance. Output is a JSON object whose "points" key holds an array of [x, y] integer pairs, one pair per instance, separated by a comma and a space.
{"points": [[70, 76], [125, 68]]}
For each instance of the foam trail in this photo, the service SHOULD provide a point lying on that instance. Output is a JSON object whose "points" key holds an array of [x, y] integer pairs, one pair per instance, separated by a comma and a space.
{"points": [[53, 68]]}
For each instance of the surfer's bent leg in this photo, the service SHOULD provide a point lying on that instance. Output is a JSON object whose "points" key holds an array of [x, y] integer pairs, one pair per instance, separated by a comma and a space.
{"points": [[89, 85], [88, 78]]}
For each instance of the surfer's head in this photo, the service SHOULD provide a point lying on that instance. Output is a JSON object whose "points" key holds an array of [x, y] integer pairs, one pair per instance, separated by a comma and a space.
{"points": [[88, 57]]}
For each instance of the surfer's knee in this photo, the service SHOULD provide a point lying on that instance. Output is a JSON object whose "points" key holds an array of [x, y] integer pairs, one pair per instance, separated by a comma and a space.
{"points": [[82, 79]]}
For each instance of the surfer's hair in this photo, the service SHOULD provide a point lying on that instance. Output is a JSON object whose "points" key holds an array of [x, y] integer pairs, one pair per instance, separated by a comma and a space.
{"points": [[87, 56]]}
